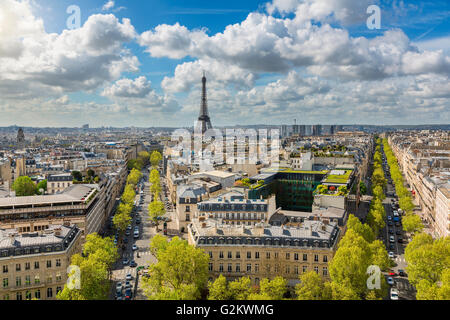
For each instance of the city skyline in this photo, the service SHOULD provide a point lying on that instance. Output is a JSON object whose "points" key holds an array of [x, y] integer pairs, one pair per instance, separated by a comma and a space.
{"points": [[134, 64]]}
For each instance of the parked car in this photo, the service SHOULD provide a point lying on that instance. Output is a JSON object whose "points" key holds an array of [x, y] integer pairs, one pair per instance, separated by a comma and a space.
{"points": [[394, 294], [119, 286], [391, 246], [390, 281], [389, 218], [129, 227], [127, 233], [400, 240], [390, 224], [125, 261], [128, 294], [133, 264], [134, 247], [391, 255]]}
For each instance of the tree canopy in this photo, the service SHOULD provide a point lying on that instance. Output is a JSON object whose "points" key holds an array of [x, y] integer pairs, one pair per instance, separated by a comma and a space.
{"points": [[180, 273], [24, 186], [99, 255]]}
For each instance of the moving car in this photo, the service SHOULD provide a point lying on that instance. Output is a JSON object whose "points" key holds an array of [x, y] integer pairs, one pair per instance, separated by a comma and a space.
{"points": [[129, 277], [127, 233], [119, 286], [394, 294], [401, 273], [391, 239], [136, 234], [391, 255], [125, 261], [134, 247], [128, 294], [133, 264]]}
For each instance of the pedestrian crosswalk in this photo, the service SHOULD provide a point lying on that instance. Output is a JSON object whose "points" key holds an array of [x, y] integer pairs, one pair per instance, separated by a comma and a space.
{"points": [[400, 259], [123, 272]]}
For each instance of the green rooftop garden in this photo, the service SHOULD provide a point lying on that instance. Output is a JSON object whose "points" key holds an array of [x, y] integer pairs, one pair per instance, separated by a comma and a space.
{"points": [[334, 178], [289, 170]]}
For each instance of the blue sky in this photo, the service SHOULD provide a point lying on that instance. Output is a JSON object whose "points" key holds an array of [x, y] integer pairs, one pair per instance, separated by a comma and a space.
{"points": [[264, 61]]}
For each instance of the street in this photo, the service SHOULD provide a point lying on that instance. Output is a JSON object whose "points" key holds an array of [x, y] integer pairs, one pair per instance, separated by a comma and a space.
{"points": [[394, 229]]}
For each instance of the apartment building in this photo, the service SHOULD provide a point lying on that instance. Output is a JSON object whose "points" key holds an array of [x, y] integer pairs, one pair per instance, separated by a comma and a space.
{"points": [[443, 210], [56, 183], [187, 198], [265, 251], [82, 205], [34, 265], [424, 158], [235, 208]]}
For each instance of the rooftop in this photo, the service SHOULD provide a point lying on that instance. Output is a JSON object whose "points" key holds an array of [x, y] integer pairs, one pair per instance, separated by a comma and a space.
{"points": [[74, 193], [55, 234]]}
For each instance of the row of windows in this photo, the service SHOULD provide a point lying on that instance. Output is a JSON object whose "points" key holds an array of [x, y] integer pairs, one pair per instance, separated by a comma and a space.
{"points": [[267, 241], [245, 215], [288, 256], [255, 268], [27, 282], [28, 295], [27, 265]]}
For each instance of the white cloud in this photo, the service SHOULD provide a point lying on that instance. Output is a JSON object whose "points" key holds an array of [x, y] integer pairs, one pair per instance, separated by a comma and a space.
{"points": [[128, 88], [80, 59], [262, 44], [108, 5]]}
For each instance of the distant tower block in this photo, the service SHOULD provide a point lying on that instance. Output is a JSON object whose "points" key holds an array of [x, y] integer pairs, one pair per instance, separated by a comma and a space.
{"points": [[204, 122], [20, 139]]}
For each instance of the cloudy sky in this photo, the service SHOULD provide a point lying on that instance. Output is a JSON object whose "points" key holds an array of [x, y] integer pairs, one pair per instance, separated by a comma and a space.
{"points": [[135, 62]]}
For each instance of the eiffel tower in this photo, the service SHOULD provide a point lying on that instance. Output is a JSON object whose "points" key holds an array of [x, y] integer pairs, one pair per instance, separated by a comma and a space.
{"points": [[204, 122]]}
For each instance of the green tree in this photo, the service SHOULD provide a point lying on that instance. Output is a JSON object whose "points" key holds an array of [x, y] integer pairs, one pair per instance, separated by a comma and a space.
{"points": [[128, 195], [134, 164], [24, 186], [134, 177], [156, 209], [312, 287], [154, 176], [362, 229], [412, 223], [77, 175], [155, 158], [122, 218], [362, 188], [95, 265], [218, 289], [241, 288], [427, 258], [180, 273], [91, 173], [41, 185], [274, 289], [155, 189]]}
